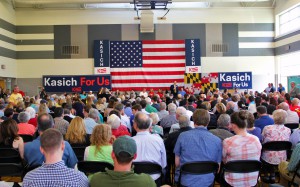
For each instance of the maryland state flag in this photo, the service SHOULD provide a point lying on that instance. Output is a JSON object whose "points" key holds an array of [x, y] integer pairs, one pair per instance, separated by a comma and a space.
{"points": [[191, 78], [209, 86]]}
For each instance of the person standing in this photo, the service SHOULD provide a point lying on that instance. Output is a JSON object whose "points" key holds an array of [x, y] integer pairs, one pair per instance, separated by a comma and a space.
{"points": [[174, 89], [280, 88], [15, 97], [294, 90]]}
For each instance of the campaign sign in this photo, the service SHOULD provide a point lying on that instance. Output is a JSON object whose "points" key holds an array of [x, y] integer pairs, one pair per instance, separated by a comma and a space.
{"points": [[101, 53], [192, 52], [241, 80], [76, 83]]}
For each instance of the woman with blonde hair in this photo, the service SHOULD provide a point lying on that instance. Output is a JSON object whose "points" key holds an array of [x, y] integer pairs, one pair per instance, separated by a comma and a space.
{"points": [[101, 145], [76, 133], [43, 108]]}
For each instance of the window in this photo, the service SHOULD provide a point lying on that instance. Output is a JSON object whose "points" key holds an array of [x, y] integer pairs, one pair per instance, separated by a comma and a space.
{"points": [[289, 21]]}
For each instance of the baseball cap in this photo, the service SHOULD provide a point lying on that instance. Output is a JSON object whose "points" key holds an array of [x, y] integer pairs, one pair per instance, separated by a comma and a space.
{"points": [[124, 144]]}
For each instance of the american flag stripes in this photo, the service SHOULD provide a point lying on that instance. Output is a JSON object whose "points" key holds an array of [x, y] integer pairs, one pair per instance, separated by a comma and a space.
{"points": [[146, 64]]}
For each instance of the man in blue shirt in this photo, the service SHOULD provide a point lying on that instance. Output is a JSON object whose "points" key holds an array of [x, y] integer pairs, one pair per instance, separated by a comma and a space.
{"points": [[197, 145], [32, 153], [264, 119]]}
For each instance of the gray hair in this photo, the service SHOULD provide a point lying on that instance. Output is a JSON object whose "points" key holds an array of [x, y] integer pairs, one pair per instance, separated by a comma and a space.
{"points": [[283, 106], [23, 117], [30, 111], [180, 111], [154, 117], [184, 121], [94, 113], [163, 106], [230, 105], [142, 121], [223, 121], [114, 121], [279, 116], [172, 108]]}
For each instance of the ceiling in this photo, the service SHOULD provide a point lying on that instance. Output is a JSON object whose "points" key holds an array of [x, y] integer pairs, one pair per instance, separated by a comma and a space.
{"points": [[128, 4]]}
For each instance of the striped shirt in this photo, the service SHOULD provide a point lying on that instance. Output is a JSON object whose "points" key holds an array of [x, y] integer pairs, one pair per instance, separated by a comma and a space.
{"points": [[241, 148], [55, 175]]}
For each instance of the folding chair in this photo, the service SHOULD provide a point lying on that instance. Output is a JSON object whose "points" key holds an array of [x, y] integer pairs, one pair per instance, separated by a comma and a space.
{"points": [[242, 166], [79, 152], [26, 137], [198, 168], [149, 168], [90, 167]]}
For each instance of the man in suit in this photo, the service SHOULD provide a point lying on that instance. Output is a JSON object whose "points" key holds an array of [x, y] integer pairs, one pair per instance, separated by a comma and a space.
{"points": [[174, 89]]}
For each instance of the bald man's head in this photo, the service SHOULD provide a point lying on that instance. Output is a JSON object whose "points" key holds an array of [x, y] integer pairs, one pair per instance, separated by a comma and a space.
{"points": [[142, 121]]}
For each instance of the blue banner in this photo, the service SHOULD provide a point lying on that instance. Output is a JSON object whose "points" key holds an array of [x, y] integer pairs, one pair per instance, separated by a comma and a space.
{"points": [[76, 83], [101, 53], [240, 80], [192, 52]]}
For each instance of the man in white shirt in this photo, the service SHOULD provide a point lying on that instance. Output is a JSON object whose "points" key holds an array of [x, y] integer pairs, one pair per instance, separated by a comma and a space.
{"points": [[143, 93], [150, 148], [292, 117]]}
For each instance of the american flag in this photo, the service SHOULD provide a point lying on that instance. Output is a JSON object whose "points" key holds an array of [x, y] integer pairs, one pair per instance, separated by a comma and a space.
{"points": [[146, 64]]}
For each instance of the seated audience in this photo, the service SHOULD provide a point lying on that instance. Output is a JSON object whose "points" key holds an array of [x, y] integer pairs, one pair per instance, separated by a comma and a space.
{"points": [[117, 129], [150, 148], [197, 145], [292, 117], [91, 118], [124, 152], [59, 122], [54, 172], [76, 134], [9, 137], [8, 114], [251, 129], [32, 115], [242, 146], [170, 119], [155, 104], [32, 153], [180, 111], [295, 106], [155, 129], [213, 118], [263, 118], [124, 119], [288, 169], [24, 127], [220, 109], [276, 132], [67, 115], [162, 110], [222, 131], [149, 108], [100, 148]]}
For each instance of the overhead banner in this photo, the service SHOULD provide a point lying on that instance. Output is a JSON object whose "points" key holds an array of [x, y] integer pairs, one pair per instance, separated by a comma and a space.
{"points": [[76, 83], [240, 80]]}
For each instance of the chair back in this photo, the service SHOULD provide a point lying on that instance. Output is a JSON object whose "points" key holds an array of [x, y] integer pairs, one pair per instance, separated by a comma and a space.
{"points": [[292, 126], [9, 155], [296, 174], [26, 137], [242, 166], [89, 167], [10, 162], [146, 167], [79, 152], [277, 146], [198, 168]]}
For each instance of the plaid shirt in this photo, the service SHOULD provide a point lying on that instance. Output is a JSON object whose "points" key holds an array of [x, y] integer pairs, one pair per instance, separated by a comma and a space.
{"points": [[61, 125], [55, 175], [241, 148]]}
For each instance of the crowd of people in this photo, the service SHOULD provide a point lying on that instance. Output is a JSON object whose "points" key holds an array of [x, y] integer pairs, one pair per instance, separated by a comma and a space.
{"points": [[169, 128]]}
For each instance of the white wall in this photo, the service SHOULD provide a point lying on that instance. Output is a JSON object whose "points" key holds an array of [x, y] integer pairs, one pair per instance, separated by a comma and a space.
{"points": [[7, 13], [208, 15]]}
